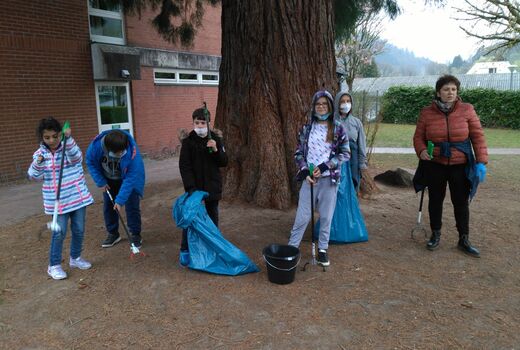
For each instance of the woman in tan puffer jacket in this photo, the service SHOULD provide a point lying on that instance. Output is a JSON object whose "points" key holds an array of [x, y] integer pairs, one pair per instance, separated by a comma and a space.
{"points": [[455, 129]]}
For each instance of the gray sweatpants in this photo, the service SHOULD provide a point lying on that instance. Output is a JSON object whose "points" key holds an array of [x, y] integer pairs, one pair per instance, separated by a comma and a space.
{"points": [[325, 193]]}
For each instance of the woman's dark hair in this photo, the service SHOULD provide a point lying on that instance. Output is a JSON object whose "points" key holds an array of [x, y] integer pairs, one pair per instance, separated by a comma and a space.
{"points": [[446, 79], [199, 114], [116, 141], [48, 123]]}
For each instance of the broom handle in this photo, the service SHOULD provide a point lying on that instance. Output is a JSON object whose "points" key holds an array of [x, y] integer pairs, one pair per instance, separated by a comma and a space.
{"points": [[206, 116], [311, 171]]}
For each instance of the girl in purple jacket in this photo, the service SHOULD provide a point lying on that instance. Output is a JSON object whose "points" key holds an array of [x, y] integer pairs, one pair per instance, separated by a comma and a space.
{"points": [[323, 143]]}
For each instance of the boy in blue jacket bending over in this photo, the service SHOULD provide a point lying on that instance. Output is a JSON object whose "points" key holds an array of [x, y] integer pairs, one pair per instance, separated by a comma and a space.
{"points": [[115, 163]]}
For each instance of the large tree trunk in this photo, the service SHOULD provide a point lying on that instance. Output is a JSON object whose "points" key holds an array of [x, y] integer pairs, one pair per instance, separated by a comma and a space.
{"points": [[275, 55]]}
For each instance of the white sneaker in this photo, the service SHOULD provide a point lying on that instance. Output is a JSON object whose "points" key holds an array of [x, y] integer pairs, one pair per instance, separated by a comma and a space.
{"points": [[56, 272], [80, 263]]}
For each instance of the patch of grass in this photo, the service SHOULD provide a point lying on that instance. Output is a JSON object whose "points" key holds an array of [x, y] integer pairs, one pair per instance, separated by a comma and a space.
{"points": [[400, 135], [502, 170], [394, 135], [392, 161], [502, 138]]}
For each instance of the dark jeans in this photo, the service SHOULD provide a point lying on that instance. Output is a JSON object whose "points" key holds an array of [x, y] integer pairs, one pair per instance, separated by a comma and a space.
{"points": [[132, 209], [212, 209], [455, 175]]}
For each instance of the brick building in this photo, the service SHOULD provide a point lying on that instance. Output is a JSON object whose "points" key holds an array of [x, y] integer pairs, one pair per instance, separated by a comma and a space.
{"points": [[86, 62]]}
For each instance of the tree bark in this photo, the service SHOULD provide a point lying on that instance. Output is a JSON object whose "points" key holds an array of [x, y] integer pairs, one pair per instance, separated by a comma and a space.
{"points": [[275, 55]]}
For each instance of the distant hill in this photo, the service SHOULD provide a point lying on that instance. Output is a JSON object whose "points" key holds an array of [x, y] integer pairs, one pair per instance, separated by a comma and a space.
{"points": [[511, 54], [394, 61]]}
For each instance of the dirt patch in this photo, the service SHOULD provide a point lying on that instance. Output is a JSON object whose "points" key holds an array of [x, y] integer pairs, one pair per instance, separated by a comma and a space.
{"points": [[389, 292]]}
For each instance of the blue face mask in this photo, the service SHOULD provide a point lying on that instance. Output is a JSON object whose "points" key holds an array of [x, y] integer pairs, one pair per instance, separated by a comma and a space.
{"points": [[322, 117], [116, 155]]}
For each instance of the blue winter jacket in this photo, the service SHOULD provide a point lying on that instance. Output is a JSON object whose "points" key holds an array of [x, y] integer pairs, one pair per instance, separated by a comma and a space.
{"points": [[132, 167]]}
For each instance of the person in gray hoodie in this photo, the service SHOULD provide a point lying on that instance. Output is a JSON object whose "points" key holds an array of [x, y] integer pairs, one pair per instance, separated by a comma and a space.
{"points": [[356, 135]]}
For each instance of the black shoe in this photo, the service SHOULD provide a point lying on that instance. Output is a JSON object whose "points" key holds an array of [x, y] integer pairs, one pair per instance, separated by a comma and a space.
{"points": [[110, 240], [435, 238], [466, 247], [137, 240], [323, 258]]}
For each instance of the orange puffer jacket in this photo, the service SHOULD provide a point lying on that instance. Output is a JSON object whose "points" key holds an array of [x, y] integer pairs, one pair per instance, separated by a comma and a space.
{"points": [[462, 122]]}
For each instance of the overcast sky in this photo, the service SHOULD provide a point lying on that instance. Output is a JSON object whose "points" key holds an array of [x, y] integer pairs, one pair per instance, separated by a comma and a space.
{"points": [[429, 31]]}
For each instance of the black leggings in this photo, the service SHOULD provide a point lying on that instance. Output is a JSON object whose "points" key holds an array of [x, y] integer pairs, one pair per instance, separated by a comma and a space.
{"points": [[455, 175], [212, 209]]}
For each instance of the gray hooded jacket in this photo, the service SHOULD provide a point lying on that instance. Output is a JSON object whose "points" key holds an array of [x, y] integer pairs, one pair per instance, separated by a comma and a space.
{"points": [[354, 128]]}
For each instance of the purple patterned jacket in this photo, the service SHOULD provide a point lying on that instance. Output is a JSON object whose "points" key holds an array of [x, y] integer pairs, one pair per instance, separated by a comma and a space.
{"points": [[339, 153]]}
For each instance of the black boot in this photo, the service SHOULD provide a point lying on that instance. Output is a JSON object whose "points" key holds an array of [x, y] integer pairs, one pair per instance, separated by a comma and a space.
{"points": [[435, 238], [466, 247]]}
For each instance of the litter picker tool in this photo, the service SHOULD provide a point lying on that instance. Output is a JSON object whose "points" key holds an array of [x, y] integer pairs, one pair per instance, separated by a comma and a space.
{"points": [[206, 116], [133, 249], [418, 226], [53, 225], [313, 254]]}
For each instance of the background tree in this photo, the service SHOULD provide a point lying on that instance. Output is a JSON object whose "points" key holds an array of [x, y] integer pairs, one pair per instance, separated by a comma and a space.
{"points": [[457, 62], [458, 65], [369, 70], [275, 55], [177, 20], [358, 49], [494, 21], [434, 68]]}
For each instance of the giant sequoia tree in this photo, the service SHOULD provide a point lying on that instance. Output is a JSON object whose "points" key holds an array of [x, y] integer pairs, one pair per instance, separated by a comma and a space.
{"points": [[275, 55], [273, 59]]}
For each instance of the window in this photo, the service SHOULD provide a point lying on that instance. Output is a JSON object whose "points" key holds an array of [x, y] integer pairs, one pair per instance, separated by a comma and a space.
{"points": [[210, 78], [106, 22], [178, 77], [492, 70], [165, 75], [188, 78]]}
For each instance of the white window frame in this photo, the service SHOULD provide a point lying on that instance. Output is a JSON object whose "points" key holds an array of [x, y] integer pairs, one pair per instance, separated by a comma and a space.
{"points": [[108, 14], [129, 124], [179, 81]]}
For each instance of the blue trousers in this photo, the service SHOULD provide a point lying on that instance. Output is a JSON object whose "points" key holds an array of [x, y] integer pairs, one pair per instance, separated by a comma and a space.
{"points": [[132, 209], [77, 228]]}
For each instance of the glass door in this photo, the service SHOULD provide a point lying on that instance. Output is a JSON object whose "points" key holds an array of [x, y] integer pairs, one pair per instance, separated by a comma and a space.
{"points": [[114, 107]]}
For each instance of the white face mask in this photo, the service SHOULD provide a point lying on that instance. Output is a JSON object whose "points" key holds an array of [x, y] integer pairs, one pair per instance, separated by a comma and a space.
{"points": [[202, 132], [345, 107], [116, 155]]}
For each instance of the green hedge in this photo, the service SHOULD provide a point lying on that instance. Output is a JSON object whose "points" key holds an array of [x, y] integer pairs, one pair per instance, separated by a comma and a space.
{"points": [[496, 109]]}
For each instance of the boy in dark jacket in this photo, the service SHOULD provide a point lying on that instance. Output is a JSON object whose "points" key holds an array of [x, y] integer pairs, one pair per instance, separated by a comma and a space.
{"points": [[115, 163], [202, 154]]}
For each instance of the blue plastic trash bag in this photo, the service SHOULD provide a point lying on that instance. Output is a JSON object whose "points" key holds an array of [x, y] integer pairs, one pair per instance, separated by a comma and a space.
{"points": [[348, 225], [209, 250]]}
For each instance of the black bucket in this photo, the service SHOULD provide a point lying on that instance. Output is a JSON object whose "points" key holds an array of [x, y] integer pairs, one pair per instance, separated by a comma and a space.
{"points": [[281, 262]]}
